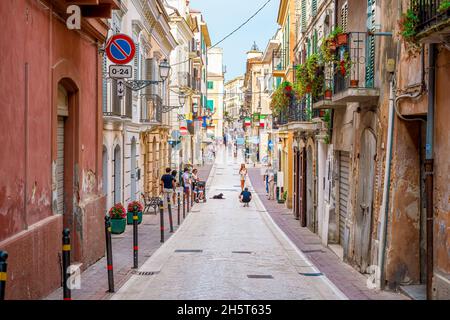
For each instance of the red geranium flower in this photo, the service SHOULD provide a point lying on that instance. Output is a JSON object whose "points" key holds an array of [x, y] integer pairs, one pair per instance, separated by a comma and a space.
{"points": [[117, 212], [135, 206]]}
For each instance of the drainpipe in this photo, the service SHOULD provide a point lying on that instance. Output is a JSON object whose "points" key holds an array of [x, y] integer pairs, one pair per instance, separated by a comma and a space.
{"points": [[429, 164], [387, 185]]}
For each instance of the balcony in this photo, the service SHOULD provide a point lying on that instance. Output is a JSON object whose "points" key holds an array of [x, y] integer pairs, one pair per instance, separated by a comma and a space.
{"points": [[196, 84], [184, 80], [434, 23], [117, 109], [297, 117], [354, 73], [151, 109], [279, 62]]}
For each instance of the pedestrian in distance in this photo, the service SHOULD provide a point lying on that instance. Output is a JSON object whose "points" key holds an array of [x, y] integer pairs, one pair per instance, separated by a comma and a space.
{"points": [[243, 175], [245, 197], [186, 181], [194, 180], [167, 184], [174, 175], [269, 176]]}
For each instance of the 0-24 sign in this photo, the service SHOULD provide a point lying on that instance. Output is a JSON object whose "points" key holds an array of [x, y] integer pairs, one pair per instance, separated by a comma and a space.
{"points": [[120, 72]]}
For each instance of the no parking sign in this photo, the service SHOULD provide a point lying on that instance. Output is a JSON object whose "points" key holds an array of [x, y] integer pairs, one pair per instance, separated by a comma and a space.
{"points": [[120, 49]]}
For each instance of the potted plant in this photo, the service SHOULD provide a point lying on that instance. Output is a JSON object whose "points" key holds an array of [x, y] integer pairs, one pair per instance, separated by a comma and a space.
{"points": [[280, 97], [328, 94], [134, 207], [354, 83], [118, 219], [342, 39], [408, 31]]}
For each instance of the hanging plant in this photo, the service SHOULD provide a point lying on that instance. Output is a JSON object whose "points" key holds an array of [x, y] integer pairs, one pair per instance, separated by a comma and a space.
{"points": [[444, 6], [310, 77], [280, 97], [408, 31]]}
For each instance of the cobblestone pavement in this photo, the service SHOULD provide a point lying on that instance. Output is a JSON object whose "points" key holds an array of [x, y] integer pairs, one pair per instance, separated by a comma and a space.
{"points": [[225, 251], [94, 282], [348, 280]]}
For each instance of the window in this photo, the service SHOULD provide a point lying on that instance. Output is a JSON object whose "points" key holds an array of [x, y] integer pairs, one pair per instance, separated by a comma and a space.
{"points": [[344, 16], [210, 85]]}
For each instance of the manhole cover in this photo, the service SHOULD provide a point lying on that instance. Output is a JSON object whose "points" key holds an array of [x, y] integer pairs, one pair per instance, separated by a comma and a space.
{"points": [[259, 276], [188, 251], [311, 274], [145, 273]]}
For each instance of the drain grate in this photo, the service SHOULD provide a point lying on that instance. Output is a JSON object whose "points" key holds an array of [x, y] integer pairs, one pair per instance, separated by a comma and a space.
{"points": [[188, 251], [311, 274], [145, 273], [310, 251], [259, 276], [242, 252]]}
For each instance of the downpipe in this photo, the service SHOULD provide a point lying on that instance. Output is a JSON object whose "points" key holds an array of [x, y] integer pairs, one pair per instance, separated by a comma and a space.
{"points": [[429, 166]]}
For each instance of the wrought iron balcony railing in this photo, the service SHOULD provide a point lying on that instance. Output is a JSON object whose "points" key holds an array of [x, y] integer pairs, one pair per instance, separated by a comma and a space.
{"points": [[280, 59], [297, 112], [115, 107], [430, 13], [151, 108], [356, 63], [184, 79]]}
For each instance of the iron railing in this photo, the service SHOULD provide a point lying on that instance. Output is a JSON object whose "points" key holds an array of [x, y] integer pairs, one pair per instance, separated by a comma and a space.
{"points": [[355, 62], [298, 111], [279, 59], [151, 108], [184, 79], [429, 14]]}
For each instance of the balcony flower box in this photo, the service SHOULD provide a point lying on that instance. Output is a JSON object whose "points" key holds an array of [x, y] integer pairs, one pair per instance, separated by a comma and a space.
{"points": [[342, 39], [327, 94], [354, 83]]}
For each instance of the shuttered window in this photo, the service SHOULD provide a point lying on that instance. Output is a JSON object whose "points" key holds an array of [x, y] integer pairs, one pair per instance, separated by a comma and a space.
{"points": [[104, 85], [303, 14], [137, 62], [344, 187], [314, 7], [60, 166], [116, 106], [128, 102], [344, 16], [370, 50]]}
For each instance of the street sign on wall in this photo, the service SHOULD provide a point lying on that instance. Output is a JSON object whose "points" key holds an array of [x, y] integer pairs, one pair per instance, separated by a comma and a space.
{"points": [[120, 49], [120, 88], [120, 72]]}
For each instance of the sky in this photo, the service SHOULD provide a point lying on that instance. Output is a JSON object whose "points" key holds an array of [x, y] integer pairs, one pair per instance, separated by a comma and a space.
{"points": [[223, 16]]}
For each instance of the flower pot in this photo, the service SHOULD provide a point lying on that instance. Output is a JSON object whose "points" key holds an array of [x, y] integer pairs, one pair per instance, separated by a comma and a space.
{"points": [[342, 39], [308, 88], [328, 94], [321, 113], [118, 226], [332, 45], [354, 83], [130, 217]]}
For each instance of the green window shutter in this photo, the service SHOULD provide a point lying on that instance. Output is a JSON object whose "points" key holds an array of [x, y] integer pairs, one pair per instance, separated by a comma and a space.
{"points": [[210, 105], [210, 85], [314, 7], [303, 21], [136, 62], [370, 45]]}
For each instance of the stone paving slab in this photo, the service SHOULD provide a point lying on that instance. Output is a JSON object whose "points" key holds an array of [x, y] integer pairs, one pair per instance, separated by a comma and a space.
{"points": [[348, 280]]}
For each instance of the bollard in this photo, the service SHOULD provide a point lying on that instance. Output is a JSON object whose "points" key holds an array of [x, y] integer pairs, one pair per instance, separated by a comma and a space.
{"points": [[169, 208], [178, 207], [135, 240], [109, 257], [66, 264], [161, 214], [184, 205], [188, 201], [3, 270]]}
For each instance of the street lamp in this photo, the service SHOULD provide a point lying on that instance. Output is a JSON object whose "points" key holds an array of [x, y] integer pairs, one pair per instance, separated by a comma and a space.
{"points": [[182, 99], [164, 69]]}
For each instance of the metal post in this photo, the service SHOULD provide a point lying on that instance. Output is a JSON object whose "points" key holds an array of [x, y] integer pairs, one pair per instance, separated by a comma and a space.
{"points": [[188, 200], [135, 240], [184, 205], [66, 264], [109, 257], [169, 208], [178, 207], [161, 214], [3, 270]]}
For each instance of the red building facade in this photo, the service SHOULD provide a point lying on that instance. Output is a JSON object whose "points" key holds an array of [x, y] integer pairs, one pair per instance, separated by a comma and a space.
{"points": [[51, 131]]}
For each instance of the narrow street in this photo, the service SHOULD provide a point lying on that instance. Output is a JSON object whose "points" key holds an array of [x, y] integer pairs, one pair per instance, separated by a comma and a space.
{"points": [[225, 251]]}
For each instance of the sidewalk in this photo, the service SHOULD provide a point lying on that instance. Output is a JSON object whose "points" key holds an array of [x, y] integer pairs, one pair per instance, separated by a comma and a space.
{"points": [[347, 279], [94, 280]]}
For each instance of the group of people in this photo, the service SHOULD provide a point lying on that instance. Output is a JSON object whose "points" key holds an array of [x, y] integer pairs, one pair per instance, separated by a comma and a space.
{"points": [[189, 181]]}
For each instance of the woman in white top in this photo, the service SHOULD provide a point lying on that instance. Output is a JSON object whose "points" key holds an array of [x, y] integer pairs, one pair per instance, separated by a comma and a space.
{"points": [[243, 174]]}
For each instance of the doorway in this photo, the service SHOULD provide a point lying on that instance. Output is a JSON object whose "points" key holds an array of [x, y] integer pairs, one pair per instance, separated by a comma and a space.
{"points": [[133, 169], [117, 174], [310, 212], [364, 203]]}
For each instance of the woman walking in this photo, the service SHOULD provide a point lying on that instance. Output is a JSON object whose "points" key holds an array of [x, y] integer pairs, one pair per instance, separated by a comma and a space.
{"points": [[243, 174]]}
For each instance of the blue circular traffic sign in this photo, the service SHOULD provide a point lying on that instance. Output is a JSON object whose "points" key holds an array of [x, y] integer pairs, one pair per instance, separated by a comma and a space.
{"points": [[120, 49]]}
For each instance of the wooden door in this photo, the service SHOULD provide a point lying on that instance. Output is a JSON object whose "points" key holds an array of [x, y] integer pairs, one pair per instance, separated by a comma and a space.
{"points": [[364, 205], [302, 184], [310, 214]]}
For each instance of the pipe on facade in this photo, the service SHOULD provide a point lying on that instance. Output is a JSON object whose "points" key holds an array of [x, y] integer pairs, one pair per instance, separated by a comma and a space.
{"points": [[429, 165]]}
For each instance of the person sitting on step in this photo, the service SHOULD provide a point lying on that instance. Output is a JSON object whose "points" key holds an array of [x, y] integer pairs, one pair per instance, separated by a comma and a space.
{"points": [[246, 197]]}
